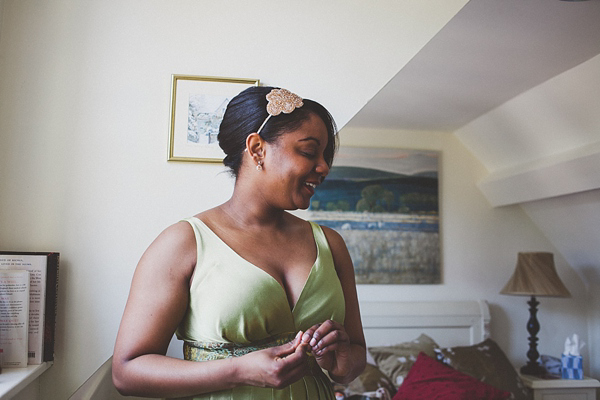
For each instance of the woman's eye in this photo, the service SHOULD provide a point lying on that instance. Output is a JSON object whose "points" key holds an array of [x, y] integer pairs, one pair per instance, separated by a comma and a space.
{"points": [[309, 154]]}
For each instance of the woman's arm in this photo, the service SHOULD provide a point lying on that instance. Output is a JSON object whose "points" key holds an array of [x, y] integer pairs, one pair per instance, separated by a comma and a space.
{"points": [[340, 349], [157, 303]]}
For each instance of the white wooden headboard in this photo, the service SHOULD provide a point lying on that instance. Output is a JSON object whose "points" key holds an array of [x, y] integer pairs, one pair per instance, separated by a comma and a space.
{"points": [[449, 323]]}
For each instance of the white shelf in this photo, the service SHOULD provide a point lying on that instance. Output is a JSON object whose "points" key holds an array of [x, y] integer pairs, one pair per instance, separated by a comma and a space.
{"points": [[13, 380]]}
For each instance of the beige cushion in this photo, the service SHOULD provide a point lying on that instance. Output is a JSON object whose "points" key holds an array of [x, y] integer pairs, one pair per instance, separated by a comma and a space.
{"points": [[395, 361], [368, 382]]}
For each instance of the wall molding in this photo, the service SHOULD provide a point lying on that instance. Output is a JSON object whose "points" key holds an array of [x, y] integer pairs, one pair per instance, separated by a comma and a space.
{"points": [[569, 172]]}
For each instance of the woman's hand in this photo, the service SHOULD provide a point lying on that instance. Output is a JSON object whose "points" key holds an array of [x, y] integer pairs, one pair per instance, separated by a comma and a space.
{"points": [[276, 367], [330, 344]]}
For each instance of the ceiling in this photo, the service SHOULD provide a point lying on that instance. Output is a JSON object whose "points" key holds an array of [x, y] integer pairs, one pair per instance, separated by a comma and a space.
{"points": [[490, 52]]}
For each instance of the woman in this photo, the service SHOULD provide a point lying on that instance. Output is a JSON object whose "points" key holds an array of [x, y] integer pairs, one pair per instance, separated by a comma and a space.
{"points": [[264, 300]]}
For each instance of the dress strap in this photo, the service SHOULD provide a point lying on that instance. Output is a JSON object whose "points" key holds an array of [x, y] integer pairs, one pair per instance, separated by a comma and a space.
{"points": [[205, 351]]}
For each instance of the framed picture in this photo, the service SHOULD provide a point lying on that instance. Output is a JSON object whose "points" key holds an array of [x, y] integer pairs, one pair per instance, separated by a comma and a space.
{"points": [[197, 107], [385, 204]]}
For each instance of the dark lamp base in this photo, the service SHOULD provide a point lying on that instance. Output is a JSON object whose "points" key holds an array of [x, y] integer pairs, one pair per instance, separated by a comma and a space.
{"points": [[533, 369], [533, 327]]}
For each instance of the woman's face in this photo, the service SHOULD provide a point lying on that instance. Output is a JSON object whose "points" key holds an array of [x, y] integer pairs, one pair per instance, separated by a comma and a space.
{"points": [[294, 165]]}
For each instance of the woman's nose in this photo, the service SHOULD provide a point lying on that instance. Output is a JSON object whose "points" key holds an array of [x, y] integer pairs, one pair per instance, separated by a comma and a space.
{"points": [[322, 168]]}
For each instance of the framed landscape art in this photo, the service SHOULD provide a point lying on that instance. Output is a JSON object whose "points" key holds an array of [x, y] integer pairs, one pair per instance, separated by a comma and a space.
{"points": [[197, 107], [385, 204]]}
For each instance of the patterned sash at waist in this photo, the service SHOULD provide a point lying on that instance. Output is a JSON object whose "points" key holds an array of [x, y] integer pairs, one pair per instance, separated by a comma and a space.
{"points": [[205, 351]]}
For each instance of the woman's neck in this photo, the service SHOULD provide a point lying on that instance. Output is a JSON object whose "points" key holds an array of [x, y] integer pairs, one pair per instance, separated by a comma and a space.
{"points": [[251, 212]]}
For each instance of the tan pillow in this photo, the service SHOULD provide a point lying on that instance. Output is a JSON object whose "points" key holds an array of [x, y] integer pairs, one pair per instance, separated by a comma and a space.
{"points": [[368, 382], [487, 362], [395, 361]]}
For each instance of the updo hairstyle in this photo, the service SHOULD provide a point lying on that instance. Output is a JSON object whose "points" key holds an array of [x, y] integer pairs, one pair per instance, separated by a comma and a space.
{"points": [[248, 110]]}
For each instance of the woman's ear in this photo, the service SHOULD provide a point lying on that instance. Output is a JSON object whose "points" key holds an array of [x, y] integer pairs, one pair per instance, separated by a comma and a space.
{"points": [[255, 146]]}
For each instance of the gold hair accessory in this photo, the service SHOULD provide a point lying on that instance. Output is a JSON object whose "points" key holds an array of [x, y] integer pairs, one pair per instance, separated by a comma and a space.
{"points": [[281, 101]]}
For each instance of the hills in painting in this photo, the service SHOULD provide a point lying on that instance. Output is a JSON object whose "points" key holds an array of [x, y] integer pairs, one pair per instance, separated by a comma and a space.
{"points": [[356, 189]]}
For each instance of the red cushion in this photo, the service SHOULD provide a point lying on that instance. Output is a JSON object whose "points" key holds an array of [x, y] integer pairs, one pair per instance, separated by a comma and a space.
{"points": [[430, 379]]}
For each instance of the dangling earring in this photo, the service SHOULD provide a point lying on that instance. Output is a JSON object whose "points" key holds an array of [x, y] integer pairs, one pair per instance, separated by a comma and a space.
{"points": [[259, 166]]}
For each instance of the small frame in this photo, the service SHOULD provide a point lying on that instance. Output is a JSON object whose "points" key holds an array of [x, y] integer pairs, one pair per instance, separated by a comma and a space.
{"points": [[197, 107]]}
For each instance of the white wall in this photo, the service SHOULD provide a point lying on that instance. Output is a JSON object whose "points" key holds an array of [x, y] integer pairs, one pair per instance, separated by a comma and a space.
{"points": [[84, 109], [553, 124]]}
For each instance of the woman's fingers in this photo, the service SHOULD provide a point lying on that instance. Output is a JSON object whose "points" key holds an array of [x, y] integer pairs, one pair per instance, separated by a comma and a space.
{"points": [[290, 347], [290, 366], [330, 344], [278, 366], [308, 335], [323, 335]]}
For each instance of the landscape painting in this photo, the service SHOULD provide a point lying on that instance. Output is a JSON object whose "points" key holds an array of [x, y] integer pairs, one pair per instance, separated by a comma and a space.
{"points": [[385, 204]]}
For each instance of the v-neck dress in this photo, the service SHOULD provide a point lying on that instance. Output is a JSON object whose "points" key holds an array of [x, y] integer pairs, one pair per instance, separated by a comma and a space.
{"points": [[234, 302]]}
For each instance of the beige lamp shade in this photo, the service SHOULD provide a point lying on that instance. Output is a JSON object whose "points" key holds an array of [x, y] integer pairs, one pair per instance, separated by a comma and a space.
{"points": [[535, 275]]}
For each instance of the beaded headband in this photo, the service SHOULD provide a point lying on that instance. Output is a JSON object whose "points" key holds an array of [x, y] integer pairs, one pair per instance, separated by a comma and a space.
{"points": [[281, 101]]}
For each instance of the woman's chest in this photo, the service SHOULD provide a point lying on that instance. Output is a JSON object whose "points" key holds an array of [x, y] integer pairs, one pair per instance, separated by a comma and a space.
{"points": [[287, 259]]}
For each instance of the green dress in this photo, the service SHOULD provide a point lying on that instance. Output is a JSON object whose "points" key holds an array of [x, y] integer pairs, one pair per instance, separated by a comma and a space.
{"points": [[235, 307]]}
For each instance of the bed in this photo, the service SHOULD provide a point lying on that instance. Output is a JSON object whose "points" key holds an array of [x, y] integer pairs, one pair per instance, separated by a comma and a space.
{"points": [[432, 350], [450, 323], [453, 335]]}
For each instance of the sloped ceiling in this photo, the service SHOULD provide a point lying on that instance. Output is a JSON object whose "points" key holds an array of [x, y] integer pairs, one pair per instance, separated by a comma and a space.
{"points": [[490, 52]]}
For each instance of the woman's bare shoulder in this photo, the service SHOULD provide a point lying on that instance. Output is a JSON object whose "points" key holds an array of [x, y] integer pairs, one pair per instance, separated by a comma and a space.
{"points": [[339, 250], [333, 237], [178, 236], [173, 250]]}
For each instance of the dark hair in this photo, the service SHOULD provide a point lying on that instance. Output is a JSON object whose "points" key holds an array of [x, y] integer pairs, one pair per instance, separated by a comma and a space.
{"points": [[248, 110]]}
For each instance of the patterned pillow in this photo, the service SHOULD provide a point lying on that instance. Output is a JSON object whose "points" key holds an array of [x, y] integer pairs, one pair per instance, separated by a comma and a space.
{"points": [[487, 362], [368, 382], [395, 361], [430, 379]]}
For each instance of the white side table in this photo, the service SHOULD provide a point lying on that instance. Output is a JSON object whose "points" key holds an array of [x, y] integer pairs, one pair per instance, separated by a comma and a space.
{"points": [[561, 389]]}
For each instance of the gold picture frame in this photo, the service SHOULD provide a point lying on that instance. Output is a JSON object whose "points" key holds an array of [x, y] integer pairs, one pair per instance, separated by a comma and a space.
{"points": [[197, 107]]}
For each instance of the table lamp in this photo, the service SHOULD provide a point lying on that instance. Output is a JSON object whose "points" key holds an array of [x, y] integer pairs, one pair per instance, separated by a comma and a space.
{"points": [[535, 275]]}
